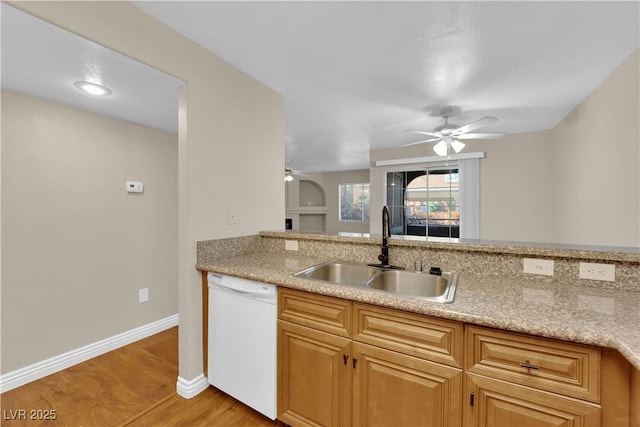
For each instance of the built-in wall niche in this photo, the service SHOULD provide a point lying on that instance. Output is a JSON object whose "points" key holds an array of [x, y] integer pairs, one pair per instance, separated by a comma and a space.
{"points": [[311, 194], [306, 205], [313, 222]]}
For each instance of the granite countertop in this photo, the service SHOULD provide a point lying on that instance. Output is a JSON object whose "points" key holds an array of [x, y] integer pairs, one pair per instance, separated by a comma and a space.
{"points": [[602, 317], [601, 253]]}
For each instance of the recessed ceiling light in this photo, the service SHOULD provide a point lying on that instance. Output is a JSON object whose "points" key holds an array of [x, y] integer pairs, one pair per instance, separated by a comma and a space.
{"points": [[93, 88]]}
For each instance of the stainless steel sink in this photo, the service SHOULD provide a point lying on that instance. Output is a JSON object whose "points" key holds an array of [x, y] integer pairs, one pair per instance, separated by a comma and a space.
{"points": [[433, 287], [438, 288], [340, 273]]}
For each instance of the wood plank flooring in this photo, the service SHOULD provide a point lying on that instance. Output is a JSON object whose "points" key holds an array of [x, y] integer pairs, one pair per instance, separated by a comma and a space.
{"points": [[132, 386]]}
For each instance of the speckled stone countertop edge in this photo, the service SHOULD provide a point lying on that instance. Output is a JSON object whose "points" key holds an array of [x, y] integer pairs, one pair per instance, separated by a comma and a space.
{"points": [[518, 248], [570, 313]]}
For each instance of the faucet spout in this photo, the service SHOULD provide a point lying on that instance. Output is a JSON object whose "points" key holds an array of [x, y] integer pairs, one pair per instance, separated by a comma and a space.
{"points": [[386, 233], [386, 228]]}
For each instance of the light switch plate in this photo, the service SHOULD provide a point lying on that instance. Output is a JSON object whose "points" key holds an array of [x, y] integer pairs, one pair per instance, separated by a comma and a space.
{"points": [[291, 245], [232, 216], [143, 295]]}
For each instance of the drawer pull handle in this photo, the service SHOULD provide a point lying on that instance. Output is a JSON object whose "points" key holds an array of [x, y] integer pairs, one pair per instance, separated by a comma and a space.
{"points": [[528, 365]]}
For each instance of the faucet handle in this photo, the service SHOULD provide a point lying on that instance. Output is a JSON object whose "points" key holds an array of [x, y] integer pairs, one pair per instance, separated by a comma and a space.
{"points": [[418, 265], [435, 271]]}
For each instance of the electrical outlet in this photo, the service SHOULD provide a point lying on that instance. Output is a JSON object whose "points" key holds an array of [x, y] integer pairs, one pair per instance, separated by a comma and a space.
{"points": [[544, 267], [143, 295], [595, 271]]}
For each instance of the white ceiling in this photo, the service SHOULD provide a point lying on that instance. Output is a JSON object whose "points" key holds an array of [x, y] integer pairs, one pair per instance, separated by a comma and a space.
{"points": [[355, 75], [40, 59]]}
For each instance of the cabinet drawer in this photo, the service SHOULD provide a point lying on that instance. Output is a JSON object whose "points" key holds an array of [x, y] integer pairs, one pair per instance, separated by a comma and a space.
{"points": [[319, 312], [413, 334], [556, 366]]}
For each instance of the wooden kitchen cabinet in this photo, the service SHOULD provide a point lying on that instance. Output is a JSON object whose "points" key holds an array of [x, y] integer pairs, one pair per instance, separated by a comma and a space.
{"points": [[495, 403], [319, 312], [327, 377], [314, 377], [314, 363], [518, 379], [555, 366], [413, 334], [348, 363], [393, 389]]}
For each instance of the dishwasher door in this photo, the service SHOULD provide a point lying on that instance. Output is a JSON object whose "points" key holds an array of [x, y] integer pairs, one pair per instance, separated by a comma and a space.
{"points": [[243, 341]]}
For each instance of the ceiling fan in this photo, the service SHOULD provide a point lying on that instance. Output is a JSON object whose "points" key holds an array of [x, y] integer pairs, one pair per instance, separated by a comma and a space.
{"points": [[289, 174], [448, 135]]}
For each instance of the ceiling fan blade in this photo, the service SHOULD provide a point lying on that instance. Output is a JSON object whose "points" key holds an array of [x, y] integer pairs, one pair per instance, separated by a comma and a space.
{"points": [[481, 136], [422, 132], [474, 125], [420, 142]]}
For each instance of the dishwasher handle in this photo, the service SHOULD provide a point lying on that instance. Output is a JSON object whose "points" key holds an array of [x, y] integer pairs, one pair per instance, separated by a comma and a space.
{"points": [[232, 290], [242, 287]]}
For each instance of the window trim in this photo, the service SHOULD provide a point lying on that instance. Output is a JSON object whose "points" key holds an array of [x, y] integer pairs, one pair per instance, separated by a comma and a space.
{"points": [[430, 160]]}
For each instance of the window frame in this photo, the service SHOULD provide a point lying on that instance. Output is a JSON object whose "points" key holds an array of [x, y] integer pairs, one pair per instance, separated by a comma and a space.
{"points": [[364, 207], [431, 166]]}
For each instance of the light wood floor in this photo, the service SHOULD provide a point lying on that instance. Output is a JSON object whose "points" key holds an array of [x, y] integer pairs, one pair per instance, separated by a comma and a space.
{"points": [[131, 386]]}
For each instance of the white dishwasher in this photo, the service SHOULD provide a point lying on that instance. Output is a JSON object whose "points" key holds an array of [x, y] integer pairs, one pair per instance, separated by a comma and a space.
{"points": [[243, 341]]}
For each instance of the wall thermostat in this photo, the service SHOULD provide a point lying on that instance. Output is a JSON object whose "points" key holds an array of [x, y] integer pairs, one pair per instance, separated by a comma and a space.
{"points": [[135, 187]]}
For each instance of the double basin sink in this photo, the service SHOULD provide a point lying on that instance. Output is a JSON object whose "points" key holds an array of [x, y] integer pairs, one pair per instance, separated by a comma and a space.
{"points": [[433, 287]]}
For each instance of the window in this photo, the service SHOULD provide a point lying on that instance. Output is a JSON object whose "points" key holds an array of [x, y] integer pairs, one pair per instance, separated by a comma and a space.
{"points": [[353, 200], [424, 202]]}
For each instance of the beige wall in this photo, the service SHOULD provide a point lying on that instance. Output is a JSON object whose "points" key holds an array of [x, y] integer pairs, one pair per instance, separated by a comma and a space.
{"points": [[547, 186], [597, 147], [76, 248], [221, 112], [516, 188]]}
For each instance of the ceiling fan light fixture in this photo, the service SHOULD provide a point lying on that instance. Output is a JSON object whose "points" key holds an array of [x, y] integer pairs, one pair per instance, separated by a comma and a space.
{"points": [[441, 148], [457, 145], [450, 134], [288, 175]]}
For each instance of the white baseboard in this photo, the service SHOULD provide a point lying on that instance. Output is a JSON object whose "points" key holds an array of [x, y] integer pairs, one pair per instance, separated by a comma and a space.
{"points": [[191, 388], [38, 370]]}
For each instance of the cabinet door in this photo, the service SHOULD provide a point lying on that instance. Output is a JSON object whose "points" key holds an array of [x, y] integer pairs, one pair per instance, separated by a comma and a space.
{"points": [[494, 403], [393, 389], [314, 377]]}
